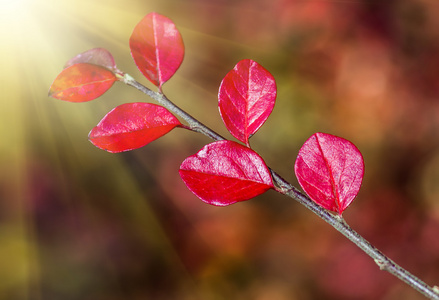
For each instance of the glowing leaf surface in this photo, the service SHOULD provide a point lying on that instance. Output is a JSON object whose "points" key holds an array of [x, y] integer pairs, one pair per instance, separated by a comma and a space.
{"points": [[226, 172], [330, 170], [82, 82], [96, 56], [132, 125], [246, 98], [157, 48]]}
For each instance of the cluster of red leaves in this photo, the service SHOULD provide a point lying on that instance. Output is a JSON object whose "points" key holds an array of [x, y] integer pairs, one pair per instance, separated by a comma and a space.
{"points": [[329, 168]]}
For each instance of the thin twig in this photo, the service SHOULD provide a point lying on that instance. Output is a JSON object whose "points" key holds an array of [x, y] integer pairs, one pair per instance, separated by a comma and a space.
{"points": [[284, 187]]}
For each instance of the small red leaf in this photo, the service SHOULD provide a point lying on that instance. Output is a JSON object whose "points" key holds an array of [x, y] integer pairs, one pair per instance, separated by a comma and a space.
{"points": [[225, 172], [82, 82], [132, 125], [330, 170], [157, 48], [246, 98], [96, 56]]}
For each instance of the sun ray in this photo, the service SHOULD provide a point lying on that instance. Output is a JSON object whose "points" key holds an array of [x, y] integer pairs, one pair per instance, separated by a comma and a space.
{"points": [[42, 149]]}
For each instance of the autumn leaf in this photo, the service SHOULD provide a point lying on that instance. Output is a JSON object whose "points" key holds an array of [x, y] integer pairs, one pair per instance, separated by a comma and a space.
{"points": [[96, 56], [132, 125], [225, 172], [157, 48], [330, 170], [246, 98], [82, 82]]}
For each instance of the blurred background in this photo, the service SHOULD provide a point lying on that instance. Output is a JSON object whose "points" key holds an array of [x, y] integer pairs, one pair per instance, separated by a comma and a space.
{"points": [[79, 223]]}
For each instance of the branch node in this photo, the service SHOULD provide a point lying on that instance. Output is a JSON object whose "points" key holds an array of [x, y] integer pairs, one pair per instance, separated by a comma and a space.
{"points": [[127, 79], [382, 264], [340, 218]]}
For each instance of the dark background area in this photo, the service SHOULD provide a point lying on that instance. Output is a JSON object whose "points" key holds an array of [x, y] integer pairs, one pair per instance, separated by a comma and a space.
{"points": [[80, 223]]}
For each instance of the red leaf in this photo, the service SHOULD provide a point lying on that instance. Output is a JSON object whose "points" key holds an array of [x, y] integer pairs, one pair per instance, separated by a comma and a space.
{"points": [[225, 172], [96, 56], [157, 48], [132, 125], [82, 82], [246, 98], [330, 170]]}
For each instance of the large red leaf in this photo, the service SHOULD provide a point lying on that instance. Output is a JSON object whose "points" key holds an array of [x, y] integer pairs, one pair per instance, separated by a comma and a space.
{"points": [[96, 56], [225, 172], [132, 125], [246, 98], [157, 48], [82, 82], [330, 170]]}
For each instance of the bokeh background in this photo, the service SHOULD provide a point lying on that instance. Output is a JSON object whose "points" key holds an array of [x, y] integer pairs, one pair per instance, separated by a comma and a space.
{"points": [[79, 223]]}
